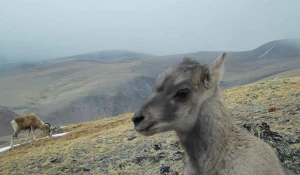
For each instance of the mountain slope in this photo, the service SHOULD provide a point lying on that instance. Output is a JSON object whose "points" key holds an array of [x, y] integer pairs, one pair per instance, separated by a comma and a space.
{"points": [[286, 74], [81, 89], [279, 49], [6, 116], [108, 56], [111, 146]]}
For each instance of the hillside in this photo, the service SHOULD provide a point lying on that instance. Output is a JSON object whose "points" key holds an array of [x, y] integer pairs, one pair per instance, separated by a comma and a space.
{"points": [[107, 56], [6, 117], [109, 83], [286, 74], [111, 146]]}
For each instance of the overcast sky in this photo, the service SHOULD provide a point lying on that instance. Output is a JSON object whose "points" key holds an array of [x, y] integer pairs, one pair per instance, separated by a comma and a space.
{"points": [[41, 29]]}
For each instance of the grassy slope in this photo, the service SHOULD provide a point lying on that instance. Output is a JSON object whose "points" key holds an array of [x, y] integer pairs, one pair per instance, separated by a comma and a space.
{"points": [[102, 146], [286, 74], [251, 103]]}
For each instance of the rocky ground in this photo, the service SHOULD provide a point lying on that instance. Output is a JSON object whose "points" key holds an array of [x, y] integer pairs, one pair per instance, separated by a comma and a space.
{"points": [[269, 110]]}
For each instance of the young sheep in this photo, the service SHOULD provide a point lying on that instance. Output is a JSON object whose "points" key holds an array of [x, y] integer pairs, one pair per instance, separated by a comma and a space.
{"points": [[29, 122], [187, 100]]}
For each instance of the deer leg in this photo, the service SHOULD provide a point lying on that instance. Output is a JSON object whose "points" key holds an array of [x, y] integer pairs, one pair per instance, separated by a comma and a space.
{"points": [[33, 133], [12, 141], [28, 135], [18, 138], [15, 135]]}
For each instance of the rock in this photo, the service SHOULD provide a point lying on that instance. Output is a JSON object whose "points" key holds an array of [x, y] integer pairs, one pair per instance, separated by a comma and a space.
{"points": [[158, 146], [54, 160], [293, 139], [139, 159], [290, 157], [178, 155], [131, 137], [164, 169], [262, 130], [175, 144], [292, 112], [161, 155], [86, 169]]}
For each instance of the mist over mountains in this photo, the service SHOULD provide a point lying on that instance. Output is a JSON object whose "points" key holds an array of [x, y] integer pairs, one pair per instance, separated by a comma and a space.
{"points": [[108, 83]]}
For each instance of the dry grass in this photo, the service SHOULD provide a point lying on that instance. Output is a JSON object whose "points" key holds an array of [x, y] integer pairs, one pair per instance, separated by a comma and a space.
{"points": [[102, 146], [252, 102], [84, 147]]}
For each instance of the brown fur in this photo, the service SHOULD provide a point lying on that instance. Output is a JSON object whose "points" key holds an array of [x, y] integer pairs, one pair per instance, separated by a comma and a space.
{"points": [[187, 100], [29, 122]]}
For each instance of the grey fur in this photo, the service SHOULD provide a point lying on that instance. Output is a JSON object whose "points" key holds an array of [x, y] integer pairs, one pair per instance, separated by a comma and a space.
{"points": [[203, 123]]}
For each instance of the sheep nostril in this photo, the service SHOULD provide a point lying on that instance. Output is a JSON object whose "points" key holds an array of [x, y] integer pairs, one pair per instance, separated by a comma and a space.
{"points": [[137, 119]]}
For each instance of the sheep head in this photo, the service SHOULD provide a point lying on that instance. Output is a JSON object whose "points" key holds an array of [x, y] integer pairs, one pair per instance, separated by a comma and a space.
{"points": [[47, 129]]}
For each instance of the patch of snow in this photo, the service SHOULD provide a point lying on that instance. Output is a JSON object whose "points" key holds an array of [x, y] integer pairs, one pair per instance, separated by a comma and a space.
{"points": [[7, 148], [4, 148], [60, 134], [54, 135], [267, 52]]}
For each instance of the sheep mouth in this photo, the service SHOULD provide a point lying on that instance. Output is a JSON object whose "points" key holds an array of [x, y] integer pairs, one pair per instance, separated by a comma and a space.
{"points": [[147, 128]]}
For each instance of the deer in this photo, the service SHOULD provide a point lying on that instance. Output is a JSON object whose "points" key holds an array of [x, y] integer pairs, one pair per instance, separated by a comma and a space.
{"points": [[29, 122], [187, 99]]}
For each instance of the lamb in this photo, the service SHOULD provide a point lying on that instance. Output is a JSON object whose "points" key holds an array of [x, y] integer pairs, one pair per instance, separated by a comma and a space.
{"points": [[29, 122], [188, 100]]}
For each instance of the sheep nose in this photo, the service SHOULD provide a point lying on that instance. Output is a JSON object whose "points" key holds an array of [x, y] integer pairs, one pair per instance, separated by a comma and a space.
{"points": [[137, 119]]}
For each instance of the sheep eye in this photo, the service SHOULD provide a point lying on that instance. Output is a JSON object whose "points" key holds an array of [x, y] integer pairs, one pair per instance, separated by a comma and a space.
{"points": [[182, 94]]}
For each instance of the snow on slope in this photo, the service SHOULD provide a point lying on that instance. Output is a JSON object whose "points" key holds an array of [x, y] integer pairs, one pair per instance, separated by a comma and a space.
{"points": [[8, 147]]}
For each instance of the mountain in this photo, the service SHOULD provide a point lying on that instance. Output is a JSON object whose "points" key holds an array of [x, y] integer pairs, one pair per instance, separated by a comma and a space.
{"points": [[6, 116], [286, 74], [10, 67], [81, 88], [278, 49], [107, 56]]}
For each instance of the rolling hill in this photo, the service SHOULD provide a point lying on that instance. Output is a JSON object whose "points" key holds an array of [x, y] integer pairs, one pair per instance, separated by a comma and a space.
{"points": [[107, 56], [6, 117], [111, 146], [286, 74], [93, 85]]}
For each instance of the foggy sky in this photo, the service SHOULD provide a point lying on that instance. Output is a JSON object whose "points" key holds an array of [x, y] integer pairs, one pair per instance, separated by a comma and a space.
{"points": [[42, 29]]}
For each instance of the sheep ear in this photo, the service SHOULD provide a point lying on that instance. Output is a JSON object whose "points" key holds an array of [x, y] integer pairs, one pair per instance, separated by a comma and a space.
{"points": [[206, 78], [214, 73]]}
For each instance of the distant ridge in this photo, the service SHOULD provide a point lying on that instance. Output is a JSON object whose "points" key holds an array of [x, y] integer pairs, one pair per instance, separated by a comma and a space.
{"points": [[108, 83], [285, 48], [107, 56]]}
